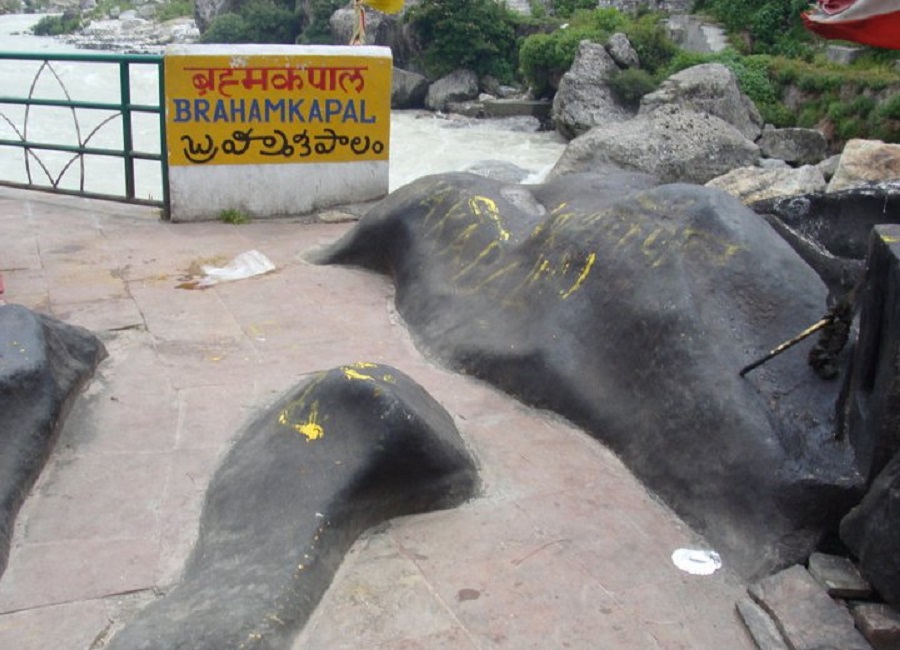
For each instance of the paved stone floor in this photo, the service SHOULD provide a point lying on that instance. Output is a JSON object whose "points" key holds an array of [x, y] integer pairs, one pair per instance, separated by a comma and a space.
{"points": [[563, 549]]}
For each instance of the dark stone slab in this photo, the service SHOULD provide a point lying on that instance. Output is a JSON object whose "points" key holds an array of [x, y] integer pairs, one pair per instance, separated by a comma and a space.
{"points": [[348, 449], [872, 533], [43, 364], [832, 231], [873, 404], [841, 222], [839, 576], [804, 613], [760, 625], [630, 309], [879, 623]]}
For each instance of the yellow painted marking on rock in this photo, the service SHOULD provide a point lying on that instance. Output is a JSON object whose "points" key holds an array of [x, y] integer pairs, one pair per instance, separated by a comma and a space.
{"points": [[352, 374], [709, 241], [651, 239], [478, 260], [890, 239], [482, 206], [311, 428], [543, 267], [496, 274], [467, 232], [585, 271], [632, 231]]}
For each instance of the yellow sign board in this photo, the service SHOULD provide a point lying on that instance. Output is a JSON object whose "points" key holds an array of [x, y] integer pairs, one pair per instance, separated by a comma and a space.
{"points": [[281, 108]]}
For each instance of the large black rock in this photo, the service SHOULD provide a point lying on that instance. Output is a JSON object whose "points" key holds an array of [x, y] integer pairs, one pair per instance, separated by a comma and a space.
{"points": [[630, 309], [831, 231], [841, 222], [872, 406], [43, 364], [346, 450], [872, 533], [872, 530]]}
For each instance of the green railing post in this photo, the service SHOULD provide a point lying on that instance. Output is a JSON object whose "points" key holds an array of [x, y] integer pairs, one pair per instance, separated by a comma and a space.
{"points": [[81, 148], [163, 147], [127, 139]]}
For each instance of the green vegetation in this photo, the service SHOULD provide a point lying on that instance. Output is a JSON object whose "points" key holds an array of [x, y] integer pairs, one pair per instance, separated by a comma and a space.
{"points": [[544, 58], [842, 101], [317, 29], [234, 216], [175, 9], [73, 20], [565, 8], [632, 84], [479, 35], [258, 21], [66, 23], [763, 26]]}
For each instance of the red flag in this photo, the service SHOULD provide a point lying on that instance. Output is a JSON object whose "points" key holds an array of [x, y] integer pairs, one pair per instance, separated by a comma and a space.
{"points": [[870, 22]]}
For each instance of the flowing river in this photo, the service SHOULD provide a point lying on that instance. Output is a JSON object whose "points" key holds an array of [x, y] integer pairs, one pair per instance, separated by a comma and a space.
{"points": [[421, 143]]}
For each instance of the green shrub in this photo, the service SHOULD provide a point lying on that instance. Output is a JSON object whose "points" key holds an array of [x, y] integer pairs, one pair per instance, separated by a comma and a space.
{"points": [[648, 38], [777, 114], [234, 216], [175, 9], [632, 84], [851, 127], [318, 29], [66, 23], [538, 9], [226, 28], [259, 21], [479, 35], [890, 108], [565, 8], [545, 58], [605, 21], [762, 26]]}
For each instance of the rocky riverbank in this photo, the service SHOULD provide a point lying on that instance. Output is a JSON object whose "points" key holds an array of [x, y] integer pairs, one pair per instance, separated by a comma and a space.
{"points": [[133, 34]]}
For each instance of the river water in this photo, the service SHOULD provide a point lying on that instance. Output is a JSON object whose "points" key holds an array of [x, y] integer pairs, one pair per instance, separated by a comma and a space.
{"points": [[421, 143]]}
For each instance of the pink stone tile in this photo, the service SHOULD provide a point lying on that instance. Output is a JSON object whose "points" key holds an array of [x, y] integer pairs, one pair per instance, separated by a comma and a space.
{"points": [[113, 314], [79, 284], [27, 288], [96, 497], [380, 598], [528, 452], [125, 409], [207, 363], [73, 626], [71, 571], [180, 508], [181, 315], [211, 417], [19, 251]]}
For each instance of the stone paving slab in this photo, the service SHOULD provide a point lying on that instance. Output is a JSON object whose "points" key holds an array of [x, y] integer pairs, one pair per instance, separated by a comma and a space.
{"points": [[564, 548], [804, 613]]}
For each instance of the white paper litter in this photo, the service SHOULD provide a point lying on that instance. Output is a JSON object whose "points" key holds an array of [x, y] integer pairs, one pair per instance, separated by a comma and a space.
{"points": [[698, 562], [245, 265]]}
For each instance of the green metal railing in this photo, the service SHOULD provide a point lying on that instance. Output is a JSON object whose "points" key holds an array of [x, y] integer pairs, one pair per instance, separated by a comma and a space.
{"points": [[124, 109]]}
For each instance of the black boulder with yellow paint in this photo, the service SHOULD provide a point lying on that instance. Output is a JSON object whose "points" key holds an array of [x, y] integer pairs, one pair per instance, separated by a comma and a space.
{"points": [[346, 450], [43, 365], [630, 309]]}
